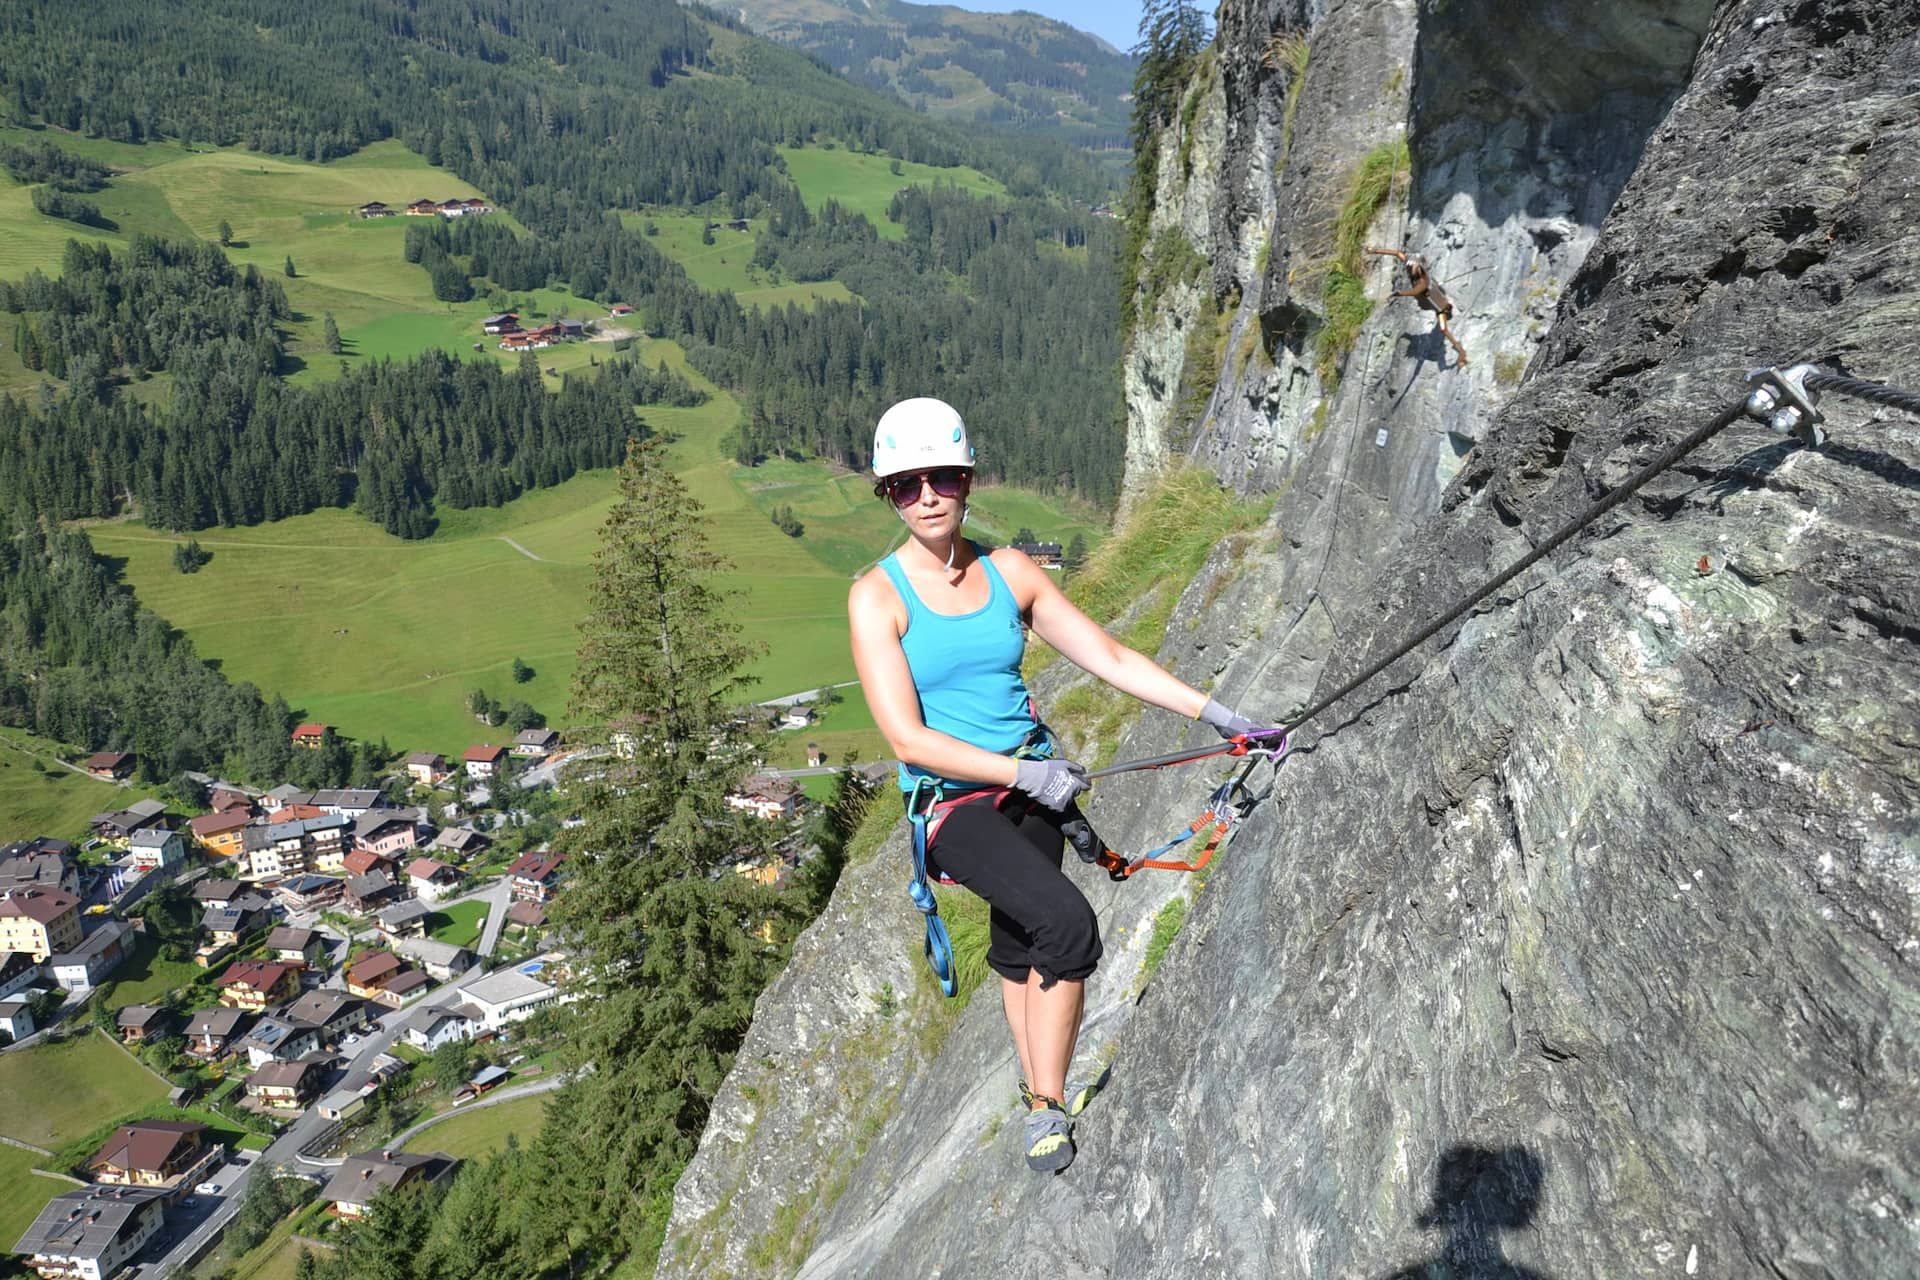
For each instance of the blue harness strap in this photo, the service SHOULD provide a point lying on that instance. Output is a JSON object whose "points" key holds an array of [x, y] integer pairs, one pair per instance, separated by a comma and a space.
{"points": [[939, 946]]}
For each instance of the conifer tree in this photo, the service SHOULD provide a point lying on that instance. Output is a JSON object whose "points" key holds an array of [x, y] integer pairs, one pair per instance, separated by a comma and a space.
{"points": [[330, 334], [669, 946]]}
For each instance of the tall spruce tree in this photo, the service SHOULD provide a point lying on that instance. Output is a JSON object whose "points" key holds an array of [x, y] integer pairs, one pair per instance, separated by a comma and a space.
{"points": [[670, 947]]}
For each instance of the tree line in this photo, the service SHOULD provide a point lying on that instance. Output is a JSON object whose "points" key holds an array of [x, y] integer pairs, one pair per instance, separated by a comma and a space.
{"points": [[46, 163], [131, 310], [1028, 342], [234, 444]]}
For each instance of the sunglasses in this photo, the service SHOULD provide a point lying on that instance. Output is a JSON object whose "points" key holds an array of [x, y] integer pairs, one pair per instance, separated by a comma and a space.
{"points": [[947, 482]]}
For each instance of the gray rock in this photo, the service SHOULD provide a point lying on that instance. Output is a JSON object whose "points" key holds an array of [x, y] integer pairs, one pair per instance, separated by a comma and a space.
{"points": [[1581, 944]]}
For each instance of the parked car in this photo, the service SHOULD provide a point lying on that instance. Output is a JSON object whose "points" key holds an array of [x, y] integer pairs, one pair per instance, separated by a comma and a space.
{"points": [[208, 1188]]}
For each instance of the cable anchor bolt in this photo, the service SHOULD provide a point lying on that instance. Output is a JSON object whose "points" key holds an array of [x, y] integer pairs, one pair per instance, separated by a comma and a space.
{"points": [[1782, 401]]}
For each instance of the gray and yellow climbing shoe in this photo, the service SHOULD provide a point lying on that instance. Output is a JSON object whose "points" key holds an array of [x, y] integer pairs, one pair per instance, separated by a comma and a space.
{"points": [[1049, 1138]]}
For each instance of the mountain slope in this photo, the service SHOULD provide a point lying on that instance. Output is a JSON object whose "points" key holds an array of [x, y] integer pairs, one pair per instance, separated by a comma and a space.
{"points": [[1018, 70]]}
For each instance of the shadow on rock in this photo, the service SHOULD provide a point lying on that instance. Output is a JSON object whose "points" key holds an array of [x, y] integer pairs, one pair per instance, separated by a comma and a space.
{"points": [[1477, 1194]]}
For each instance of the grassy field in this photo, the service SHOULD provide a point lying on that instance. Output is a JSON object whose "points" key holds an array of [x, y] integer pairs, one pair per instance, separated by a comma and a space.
{"points": [[274, 1258], [471, 1134], [866, 183], [385, 638], [145, 976], [725, 264], [22, 1193], [460, 924], [72, 1085], [39, 797]]}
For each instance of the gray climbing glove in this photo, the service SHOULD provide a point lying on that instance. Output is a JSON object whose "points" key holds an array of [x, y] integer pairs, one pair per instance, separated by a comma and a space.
{"points": [[1228, 722], [1054, 783]]}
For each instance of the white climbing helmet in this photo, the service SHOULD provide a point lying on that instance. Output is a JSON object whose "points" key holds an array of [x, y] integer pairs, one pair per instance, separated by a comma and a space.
{"points": [[920, 433]]}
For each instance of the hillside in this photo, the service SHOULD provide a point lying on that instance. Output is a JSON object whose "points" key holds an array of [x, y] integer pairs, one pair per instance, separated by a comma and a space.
{"points": [[1580, 943], [1016, 70]]}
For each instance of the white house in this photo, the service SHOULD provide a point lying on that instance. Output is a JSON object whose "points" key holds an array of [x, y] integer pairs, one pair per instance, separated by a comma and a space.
{"points": [[152, 849], [92, 1232], [431, 1028], [16, 1019], [98, 954], [508, 996], [767, 797], [443, 961]]}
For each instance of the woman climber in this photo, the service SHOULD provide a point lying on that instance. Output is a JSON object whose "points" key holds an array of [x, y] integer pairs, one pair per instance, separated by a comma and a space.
{"points": [[1427, 292], [939, 630]]}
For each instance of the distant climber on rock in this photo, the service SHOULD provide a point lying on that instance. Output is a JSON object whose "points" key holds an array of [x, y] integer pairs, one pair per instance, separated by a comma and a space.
{"points": [[1427, 292], [939, 631]]}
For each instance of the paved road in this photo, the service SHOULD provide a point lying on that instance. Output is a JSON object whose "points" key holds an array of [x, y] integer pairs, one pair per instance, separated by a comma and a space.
{"points": [[546, 1084], [499, 898], [806, 695]]}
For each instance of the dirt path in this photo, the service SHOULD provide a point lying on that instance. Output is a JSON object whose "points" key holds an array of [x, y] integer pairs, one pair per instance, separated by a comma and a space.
{"points": [[517, 547]]}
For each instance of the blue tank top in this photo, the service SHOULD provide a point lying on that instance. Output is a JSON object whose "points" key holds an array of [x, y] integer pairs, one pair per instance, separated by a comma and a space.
{"points": [[966, 669]]}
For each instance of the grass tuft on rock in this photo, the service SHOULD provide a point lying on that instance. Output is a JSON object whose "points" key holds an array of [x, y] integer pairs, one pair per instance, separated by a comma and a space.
{"points": [[1382, 173], [1151, 556]]}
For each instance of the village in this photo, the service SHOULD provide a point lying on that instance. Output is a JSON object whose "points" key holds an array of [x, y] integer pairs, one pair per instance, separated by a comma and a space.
{"points": [[342, 959]]}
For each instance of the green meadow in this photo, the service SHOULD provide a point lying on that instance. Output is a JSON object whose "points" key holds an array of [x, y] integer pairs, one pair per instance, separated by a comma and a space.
{"points": [[727, 262], [384, 638], [474, 1134], [866, 183], [39, 796], [73, 1084], [23, 1193]]}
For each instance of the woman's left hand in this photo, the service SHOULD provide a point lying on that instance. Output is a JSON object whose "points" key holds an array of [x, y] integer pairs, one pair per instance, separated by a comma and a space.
{"points": [[1225, 720]]}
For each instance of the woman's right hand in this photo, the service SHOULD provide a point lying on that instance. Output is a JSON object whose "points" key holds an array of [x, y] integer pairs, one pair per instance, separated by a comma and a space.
{"points": [[1054, 783]]}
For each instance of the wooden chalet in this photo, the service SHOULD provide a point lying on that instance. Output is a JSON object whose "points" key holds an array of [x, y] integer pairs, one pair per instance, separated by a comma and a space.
{"points": [[110, 766]]}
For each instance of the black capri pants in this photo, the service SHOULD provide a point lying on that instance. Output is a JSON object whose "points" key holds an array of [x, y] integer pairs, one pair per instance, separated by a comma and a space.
{"points": [[1011, 858]]}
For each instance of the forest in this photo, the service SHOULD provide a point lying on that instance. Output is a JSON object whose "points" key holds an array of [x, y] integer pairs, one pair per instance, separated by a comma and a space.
{"points": [[562, 109]]}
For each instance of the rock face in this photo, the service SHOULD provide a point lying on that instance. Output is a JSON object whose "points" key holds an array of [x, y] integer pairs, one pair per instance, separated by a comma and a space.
{"points": [[1583, 943]]}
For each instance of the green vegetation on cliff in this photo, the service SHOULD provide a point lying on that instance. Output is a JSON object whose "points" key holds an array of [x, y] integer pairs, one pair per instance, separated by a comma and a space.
{"points": [[1382, 174]]}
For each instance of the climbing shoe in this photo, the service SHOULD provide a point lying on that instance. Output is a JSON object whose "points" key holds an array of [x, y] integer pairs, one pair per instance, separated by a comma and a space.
{"points": [[1078, 1096], [1049, 1138]]}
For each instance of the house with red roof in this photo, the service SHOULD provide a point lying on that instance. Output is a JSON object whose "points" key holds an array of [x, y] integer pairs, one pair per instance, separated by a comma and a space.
{"points": [[482, 761], [255, 984], [536, 875], [109, 766], [310, 735], [432, 878]]}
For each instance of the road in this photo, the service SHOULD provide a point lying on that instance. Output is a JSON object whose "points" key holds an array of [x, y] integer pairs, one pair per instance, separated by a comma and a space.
{"points": [[210, 1214], [545, 1085], [517, 547], [806, 695], [499, 898]]}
